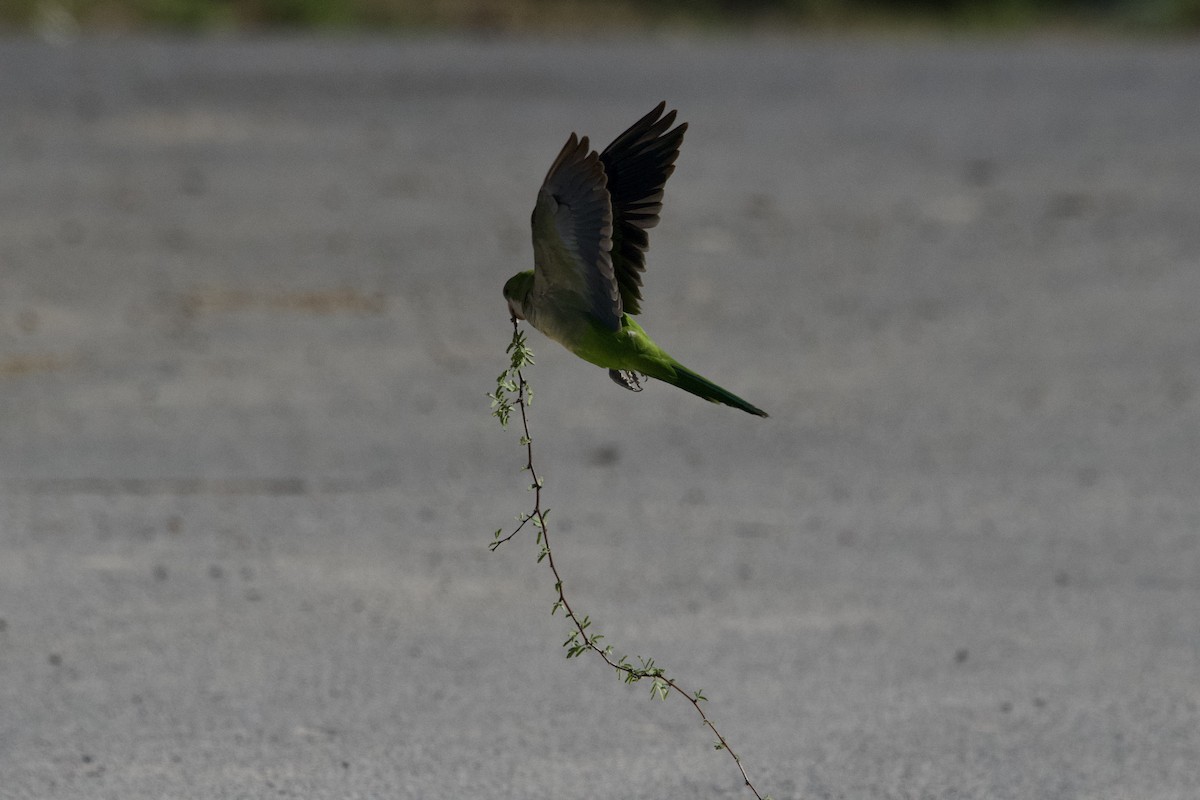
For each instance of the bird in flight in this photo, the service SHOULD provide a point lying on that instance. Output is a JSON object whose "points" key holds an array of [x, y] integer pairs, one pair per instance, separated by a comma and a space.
{"points": [[589, 251]]}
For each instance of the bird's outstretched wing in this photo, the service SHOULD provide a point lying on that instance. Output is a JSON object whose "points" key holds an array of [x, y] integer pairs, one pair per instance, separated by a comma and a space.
{"points": [[572, 235], [637, 164]]}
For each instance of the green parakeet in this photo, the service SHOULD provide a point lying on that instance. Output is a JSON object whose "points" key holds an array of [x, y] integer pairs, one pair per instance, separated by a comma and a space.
{"points": [[589, 250]]}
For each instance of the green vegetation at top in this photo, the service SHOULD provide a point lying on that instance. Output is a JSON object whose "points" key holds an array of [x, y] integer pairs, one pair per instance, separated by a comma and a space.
{"points": [[540, 15]]}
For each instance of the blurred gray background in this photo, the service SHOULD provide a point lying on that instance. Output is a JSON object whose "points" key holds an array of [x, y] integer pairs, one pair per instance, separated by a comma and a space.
{"points": [[250, 306]]}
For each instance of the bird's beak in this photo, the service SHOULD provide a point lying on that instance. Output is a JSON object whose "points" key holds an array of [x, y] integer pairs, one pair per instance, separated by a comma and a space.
{"points": [[516, 312]]}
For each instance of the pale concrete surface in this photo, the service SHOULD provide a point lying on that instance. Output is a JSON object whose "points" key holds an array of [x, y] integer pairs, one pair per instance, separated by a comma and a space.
{"points": [[251, 305]]}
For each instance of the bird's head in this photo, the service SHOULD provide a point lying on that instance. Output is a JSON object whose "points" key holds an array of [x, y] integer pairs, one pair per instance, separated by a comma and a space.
{"points": [[516, 292]]}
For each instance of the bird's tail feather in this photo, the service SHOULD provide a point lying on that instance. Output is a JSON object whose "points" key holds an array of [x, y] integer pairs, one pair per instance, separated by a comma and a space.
{"points": [[700, 386]]}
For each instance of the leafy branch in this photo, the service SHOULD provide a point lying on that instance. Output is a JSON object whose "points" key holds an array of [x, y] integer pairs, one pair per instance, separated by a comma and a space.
{"points": [[514, 392]]}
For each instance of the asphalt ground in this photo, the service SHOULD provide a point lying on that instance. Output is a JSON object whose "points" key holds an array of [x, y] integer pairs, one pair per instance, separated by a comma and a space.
{"points": [[250, 307]]}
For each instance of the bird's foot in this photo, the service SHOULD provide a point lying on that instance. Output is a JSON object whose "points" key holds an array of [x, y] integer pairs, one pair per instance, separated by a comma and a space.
{"points": [[627, 378]]}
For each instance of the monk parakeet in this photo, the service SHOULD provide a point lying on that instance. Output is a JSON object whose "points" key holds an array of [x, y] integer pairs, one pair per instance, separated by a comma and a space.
{"points": [[589, 250]]}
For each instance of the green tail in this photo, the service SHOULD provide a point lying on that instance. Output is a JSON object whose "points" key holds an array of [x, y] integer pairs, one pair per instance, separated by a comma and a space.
{"points": [[702, 387]]}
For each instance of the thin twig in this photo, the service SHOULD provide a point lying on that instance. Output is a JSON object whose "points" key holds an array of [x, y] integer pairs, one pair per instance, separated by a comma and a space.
{"points": [[580, 640]]}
